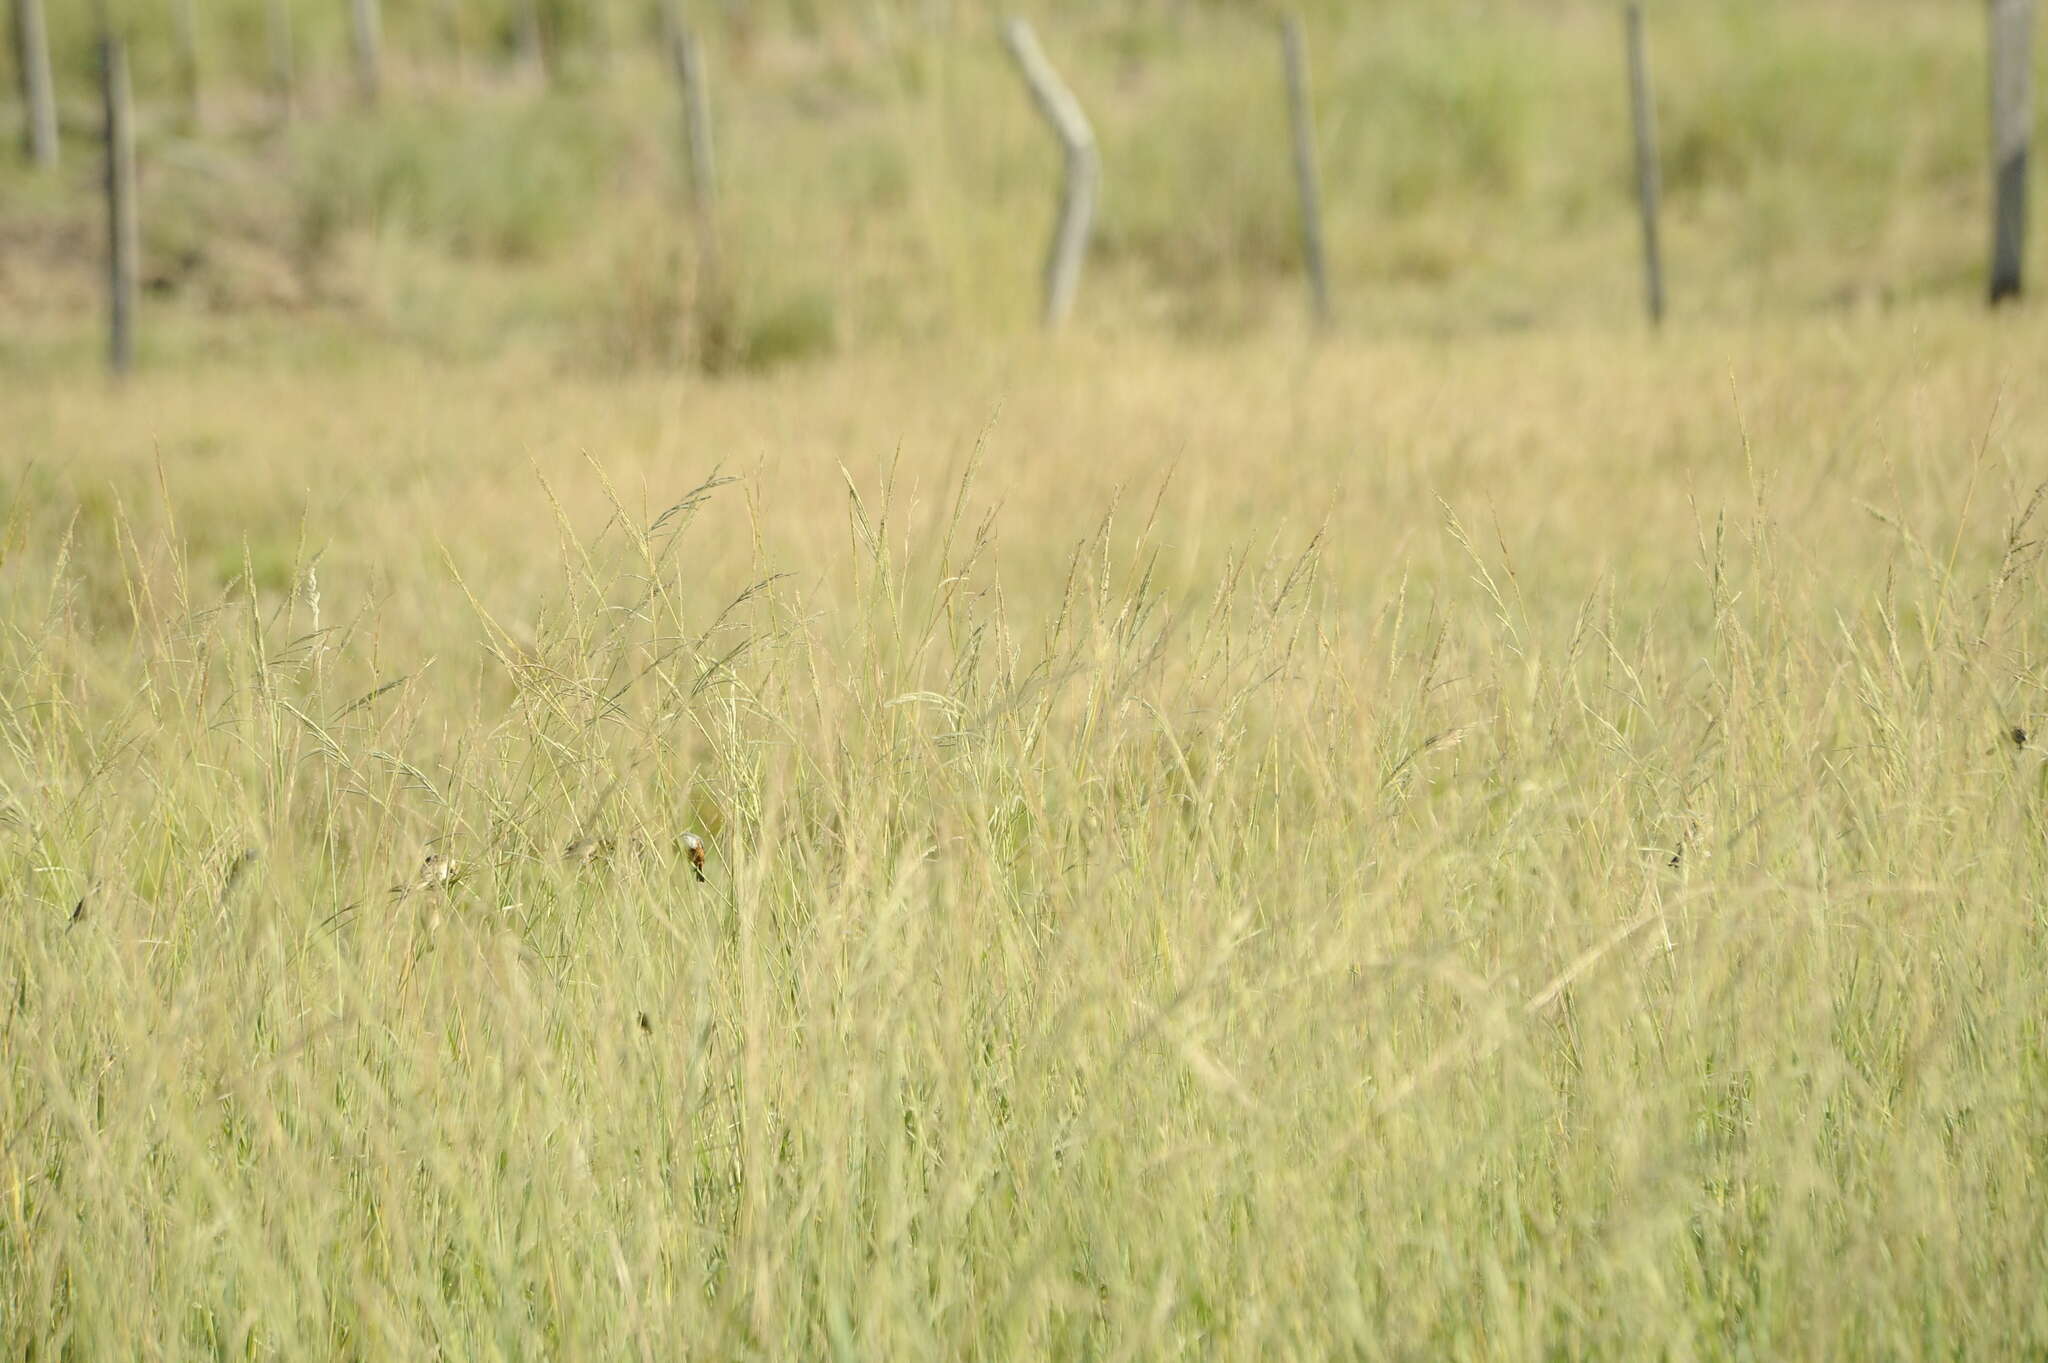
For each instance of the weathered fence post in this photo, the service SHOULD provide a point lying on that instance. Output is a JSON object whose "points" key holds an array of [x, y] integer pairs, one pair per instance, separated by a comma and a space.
{"points": [[368, 39], [1646, 160], [1302, 120], [686, 56], [1083, 168], [38, 91], [2011, 53], [123, 238]]}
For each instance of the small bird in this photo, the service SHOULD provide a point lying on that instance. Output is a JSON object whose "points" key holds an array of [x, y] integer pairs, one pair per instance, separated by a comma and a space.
{"points": [[693, 847], [587, 848], [435, 872], [237, 868]]}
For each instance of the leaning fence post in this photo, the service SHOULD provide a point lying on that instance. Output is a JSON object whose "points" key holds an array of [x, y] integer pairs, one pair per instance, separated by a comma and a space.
{"points": [[1083, 168], [369, 76], [2012, 49], [38, 91], [123, 246], [1295, 54], [1646, 161]]}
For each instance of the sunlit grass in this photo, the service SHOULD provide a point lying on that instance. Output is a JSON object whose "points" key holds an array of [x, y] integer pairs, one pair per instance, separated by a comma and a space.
{"points": [[1495, 850]]}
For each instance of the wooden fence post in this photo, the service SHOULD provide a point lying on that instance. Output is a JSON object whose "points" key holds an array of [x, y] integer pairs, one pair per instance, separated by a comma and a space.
{"points": [[38, 90], [1294, 52], [686, 56], [1083, 168], [123, 238], [2011, 62], [368, 39], [1646, 160]]}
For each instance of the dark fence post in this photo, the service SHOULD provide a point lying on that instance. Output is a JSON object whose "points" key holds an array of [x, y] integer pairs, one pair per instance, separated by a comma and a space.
{"points": [[1646, 160], [123, 237], [1302, 121], [2011, 53]]}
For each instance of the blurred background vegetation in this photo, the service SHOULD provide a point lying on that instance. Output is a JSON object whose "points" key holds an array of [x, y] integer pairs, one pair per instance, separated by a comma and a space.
{"points": [[884, 179]]}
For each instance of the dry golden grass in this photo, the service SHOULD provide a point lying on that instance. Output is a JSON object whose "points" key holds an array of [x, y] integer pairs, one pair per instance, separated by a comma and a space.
{"points": [[1502, 849]]}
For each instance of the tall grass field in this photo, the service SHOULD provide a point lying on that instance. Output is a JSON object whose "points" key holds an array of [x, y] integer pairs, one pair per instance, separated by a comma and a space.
{"points": [[1489, 833]]}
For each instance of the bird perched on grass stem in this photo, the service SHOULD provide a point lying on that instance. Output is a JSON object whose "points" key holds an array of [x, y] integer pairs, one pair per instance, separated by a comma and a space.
{"points": [[436, 871]]}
